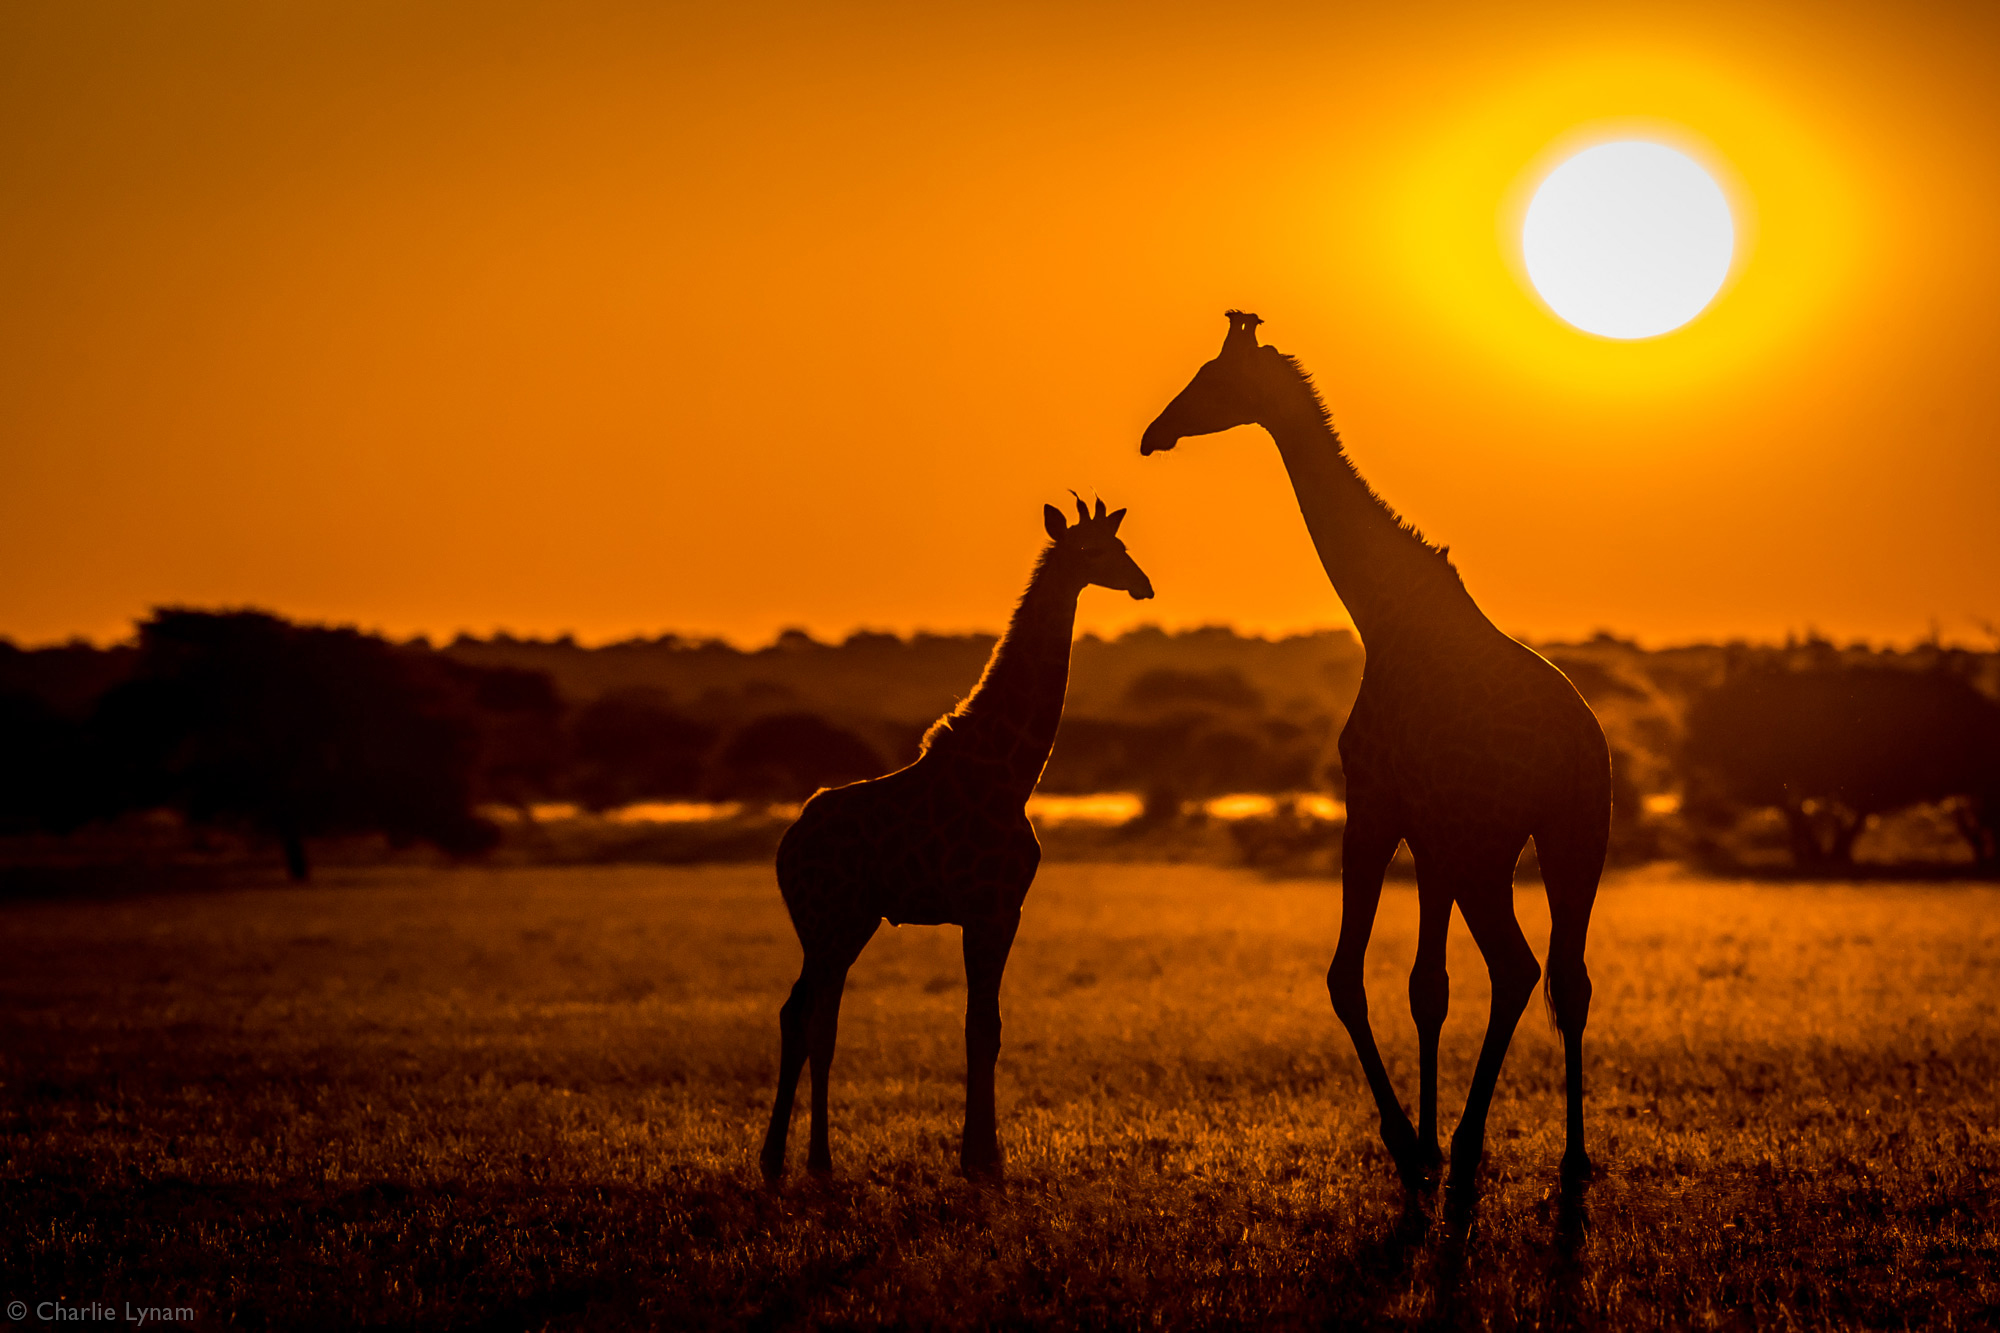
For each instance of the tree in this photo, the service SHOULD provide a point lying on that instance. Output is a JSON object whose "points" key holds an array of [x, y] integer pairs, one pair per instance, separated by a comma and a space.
{"points": [[1830, 745], [631, 745], [295, 732], [789, 756]]}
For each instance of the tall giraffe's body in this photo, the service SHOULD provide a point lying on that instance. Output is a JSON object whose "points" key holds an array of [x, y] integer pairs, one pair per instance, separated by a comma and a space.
{"points": [[944, 841], [1462, 743]]}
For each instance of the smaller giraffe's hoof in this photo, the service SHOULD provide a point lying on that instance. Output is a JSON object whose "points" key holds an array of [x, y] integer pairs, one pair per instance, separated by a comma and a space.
{"points": [[982, 1165], [989, 1171], [772, 1167], [1577, 1168]]}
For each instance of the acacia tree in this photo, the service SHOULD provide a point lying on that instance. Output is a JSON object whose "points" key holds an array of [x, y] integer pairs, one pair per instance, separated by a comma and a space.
{"points": [[240, 718]]}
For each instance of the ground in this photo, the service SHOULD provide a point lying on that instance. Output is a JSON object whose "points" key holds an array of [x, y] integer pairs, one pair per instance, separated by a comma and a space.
{"points": [[533, 1098]]}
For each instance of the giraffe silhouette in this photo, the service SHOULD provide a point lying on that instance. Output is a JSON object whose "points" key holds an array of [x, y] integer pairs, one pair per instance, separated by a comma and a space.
{"points": [[943, 841], [1462, 743]]}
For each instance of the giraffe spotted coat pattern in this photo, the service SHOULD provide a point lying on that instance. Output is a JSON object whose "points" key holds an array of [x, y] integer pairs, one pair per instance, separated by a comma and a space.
{"points": [[945, 841], [1462, 743]]}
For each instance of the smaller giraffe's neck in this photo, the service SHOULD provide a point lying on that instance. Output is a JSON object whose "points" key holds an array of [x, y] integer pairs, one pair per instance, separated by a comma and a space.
{"points": [[1390, 579], [1008, 723]]}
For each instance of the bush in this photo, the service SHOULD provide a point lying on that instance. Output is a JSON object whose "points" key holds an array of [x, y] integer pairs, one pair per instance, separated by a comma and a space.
{"points": [[631, 745], [789, 756], [1831, 745]]}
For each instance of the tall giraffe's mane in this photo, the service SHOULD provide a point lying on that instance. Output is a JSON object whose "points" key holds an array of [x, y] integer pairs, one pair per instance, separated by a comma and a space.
{"points": [[1403, 525]]}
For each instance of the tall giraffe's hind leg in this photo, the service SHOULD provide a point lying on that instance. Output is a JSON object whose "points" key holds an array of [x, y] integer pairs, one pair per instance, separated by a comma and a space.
{"points": [[1486, 899], [1365, 849], [987, 944], [1430, 1000], [1571, 867], [827, 970]]}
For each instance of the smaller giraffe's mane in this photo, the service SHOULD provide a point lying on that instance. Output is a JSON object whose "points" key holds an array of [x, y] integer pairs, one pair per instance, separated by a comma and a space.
{"points": [[943, 732], [1403, 525]]}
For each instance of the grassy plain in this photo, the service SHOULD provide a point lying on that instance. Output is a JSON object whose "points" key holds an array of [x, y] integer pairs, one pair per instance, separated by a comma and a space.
{"points": [[532, 1098]]}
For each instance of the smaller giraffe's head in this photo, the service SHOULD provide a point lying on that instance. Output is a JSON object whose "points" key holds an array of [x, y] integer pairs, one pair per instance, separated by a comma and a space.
{"points": [[1090, 551], [1232, 390]]}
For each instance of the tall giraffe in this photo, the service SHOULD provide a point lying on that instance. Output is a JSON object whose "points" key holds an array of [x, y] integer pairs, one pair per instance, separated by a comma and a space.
{"points": [[1462, 743], [944, 841]]}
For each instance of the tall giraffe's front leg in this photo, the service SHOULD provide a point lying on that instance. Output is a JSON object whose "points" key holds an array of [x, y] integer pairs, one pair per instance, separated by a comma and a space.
{"points": [[1366, 847], [987, 944]]}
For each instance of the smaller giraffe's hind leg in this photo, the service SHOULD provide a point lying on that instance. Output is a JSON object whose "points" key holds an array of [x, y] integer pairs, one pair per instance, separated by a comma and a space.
{"points": [[987, 944], [823, 1027], [791, 1060], [806, 1024]]}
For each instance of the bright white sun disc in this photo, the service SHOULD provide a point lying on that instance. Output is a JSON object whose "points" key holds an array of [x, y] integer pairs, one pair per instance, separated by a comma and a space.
{"points": [[1628, 239]]}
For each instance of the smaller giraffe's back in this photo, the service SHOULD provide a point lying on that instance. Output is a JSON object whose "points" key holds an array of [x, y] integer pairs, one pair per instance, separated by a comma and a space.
{"points": [[926, 845]]}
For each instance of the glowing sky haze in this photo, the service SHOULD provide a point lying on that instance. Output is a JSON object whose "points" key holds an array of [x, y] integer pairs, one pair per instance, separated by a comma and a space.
{"points": [[616, 319]]}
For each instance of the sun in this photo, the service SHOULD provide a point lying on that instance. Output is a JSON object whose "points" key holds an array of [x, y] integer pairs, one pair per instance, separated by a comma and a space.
{"points": [[1628, 240]]}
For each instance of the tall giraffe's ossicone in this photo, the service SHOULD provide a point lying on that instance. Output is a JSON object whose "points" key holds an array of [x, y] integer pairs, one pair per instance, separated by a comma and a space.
{"points": [[1462, 743], [944, 841]]}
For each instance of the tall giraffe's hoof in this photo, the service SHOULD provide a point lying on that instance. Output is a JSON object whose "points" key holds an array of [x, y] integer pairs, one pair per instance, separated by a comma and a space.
{"points": [[1577, 1168], [1417, 1168], [1461, 1205], [1466, 1155], [772, 1164]]}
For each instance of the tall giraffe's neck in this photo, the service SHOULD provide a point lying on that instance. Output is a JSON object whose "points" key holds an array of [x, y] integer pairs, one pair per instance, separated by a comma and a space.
{"points": [[1391, 581], [1009, 720]]}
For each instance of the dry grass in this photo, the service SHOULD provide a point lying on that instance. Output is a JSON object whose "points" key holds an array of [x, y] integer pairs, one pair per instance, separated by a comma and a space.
{"points": [[532, 1098]]}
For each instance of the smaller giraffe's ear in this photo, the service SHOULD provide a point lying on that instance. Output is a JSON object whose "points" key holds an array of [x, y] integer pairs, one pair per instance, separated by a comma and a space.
{"points": [[1117, 517], [1053, 520]]}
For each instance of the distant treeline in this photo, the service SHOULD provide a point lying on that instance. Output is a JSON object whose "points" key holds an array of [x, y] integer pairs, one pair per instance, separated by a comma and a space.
{"points": [[285, 732]]}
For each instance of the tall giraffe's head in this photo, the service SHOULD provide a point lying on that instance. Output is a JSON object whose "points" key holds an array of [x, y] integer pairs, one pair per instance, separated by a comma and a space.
{"points": [[1235, 389], [1090, 552]]}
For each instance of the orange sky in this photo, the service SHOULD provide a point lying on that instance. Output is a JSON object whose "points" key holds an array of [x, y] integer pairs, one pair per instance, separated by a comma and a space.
{"points": [[614, 320]]}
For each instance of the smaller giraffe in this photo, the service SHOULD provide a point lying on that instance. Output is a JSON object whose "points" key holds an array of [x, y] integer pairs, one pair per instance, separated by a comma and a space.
{"points": [[943, 841]]}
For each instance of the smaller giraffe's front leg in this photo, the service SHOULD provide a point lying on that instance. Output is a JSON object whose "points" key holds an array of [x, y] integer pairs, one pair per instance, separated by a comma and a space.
{"points": [[987, 944]]}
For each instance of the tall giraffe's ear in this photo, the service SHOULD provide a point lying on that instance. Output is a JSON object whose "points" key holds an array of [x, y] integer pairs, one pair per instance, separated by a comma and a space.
{"points": [[1053, 520], [1117, 517]]}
